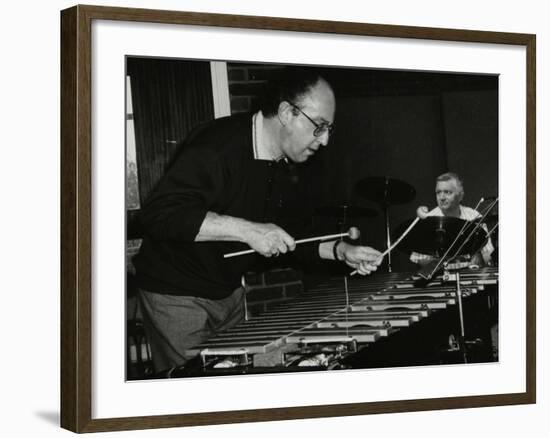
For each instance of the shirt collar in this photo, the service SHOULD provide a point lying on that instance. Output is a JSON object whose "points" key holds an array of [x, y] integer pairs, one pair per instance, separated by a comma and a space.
{"points": [[259, 149]]}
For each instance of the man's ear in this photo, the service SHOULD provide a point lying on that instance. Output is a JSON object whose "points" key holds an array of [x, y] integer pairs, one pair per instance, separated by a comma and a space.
{"points": [[285, 112]]}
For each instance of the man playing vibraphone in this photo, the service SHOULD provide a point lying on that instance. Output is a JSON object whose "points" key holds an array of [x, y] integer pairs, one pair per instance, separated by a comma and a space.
{"points": [[237, 180]]}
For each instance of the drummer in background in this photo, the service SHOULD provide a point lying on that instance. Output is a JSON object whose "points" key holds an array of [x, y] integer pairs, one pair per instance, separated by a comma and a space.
{"points": [[449, 191]]}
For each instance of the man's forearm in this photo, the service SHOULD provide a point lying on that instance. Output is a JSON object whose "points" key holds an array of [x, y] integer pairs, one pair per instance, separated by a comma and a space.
{"points": [[216, 227], [266, 239]]}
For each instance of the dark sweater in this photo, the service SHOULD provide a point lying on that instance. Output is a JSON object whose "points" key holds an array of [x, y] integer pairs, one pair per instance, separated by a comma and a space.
{"points": [[216, 171]]}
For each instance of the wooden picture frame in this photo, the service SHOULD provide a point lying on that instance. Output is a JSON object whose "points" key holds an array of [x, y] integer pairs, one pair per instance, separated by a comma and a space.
{"points": [[76, 217]]}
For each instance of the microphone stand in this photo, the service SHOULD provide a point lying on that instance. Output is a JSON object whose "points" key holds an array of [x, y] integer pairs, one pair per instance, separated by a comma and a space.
{"points": [[477, 227], [431, 269], [447, 276]]}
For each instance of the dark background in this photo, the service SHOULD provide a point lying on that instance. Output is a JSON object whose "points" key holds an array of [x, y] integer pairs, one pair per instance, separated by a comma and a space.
{"points": [[408, 125]]}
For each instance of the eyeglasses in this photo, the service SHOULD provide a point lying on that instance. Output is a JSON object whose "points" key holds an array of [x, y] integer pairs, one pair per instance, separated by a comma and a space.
{"points": [[320, 128]]}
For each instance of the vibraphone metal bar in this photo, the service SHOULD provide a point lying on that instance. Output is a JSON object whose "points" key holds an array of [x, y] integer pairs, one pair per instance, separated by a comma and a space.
{"points": [[379, 306]]}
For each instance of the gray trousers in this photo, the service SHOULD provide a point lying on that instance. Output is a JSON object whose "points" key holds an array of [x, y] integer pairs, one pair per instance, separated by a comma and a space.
{"points": [[174, 324]]}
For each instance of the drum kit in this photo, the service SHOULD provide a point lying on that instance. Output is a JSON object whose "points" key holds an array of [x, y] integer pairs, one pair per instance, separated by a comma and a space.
{"points": [[432, 235]]}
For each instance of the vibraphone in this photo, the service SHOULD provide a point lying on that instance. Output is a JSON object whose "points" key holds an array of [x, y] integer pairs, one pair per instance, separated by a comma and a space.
{"points": [[384, 320]]}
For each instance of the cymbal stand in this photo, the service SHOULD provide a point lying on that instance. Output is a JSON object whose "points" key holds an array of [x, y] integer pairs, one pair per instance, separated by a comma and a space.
{"points": [[344, 218], [387, 220], [346, 289], [388, 238]]}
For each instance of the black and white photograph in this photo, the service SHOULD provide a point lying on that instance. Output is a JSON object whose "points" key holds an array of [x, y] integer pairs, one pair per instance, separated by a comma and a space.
{"points": [[289, 218]]}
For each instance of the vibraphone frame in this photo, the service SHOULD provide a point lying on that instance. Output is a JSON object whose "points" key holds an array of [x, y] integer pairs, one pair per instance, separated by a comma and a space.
{"points": [[386, 320]]}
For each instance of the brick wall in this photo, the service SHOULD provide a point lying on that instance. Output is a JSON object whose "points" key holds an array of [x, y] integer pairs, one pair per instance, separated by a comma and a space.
{"points": [[271, 287]]}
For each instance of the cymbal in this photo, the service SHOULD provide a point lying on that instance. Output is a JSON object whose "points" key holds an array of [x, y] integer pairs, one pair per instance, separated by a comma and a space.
{"points": [[435, 234], [347, 210], [384, 190]]}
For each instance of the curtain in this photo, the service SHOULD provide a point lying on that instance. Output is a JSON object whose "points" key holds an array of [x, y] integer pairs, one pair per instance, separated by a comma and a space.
{"points": [[170, 97]]}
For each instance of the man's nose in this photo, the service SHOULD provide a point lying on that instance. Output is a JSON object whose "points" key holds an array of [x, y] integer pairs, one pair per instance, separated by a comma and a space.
{"points": [[324, 138]]}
